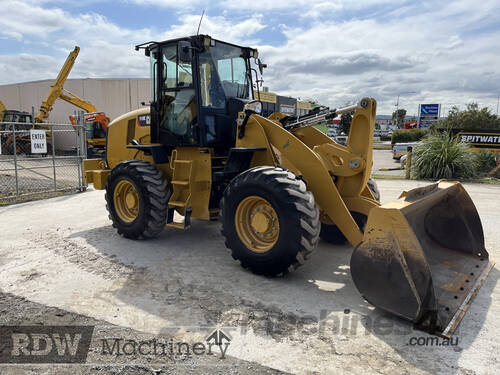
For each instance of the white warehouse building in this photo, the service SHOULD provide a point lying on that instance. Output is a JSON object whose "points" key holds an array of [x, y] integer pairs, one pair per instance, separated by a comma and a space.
{"points": [[112, 96]]}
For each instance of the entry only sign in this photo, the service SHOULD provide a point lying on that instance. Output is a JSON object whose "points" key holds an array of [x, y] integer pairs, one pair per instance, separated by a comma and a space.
{"points": [[428, 114], [38, 141]]}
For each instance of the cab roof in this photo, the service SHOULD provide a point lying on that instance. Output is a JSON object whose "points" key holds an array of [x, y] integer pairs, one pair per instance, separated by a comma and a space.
{"points": [[197, 40]]}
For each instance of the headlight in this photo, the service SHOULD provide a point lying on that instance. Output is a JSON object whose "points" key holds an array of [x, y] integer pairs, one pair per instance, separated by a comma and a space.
{"points": [[254, 106]]}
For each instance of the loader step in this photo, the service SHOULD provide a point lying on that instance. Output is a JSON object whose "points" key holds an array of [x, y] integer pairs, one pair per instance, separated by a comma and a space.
{"points": [[181, 183], [176, 204], [177, 225], [183, 161]]}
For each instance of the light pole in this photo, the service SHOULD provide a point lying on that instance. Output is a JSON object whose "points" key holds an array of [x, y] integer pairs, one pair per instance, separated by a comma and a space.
{"points": [[397, 105]]}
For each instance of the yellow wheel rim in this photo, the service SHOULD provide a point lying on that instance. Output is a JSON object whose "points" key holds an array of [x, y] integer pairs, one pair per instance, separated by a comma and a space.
{"points": [[126, 201], [257, 224]]}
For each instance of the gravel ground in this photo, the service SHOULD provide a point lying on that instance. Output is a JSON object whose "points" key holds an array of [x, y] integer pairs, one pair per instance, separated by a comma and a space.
{"points": [[61, 256], [19, 311], [383, 159]]}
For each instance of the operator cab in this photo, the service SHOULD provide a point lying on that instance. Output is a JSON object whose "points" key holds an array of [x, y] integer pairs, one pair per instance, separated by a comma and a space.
{"points": [[198, 86], [95, 124], [23, 119]]}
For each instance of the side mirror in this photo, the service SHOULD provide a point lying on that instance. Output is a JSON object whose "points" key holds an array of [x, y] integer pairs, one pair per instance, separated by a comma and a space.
{"points": [[261, 66], [185, 51]]}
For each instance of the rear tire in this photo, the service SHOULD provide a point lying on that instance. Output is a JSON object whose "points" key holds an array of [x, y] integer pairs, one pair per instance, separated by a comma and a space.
{"points": [[282, 199], [372, 185], [137, 199]]}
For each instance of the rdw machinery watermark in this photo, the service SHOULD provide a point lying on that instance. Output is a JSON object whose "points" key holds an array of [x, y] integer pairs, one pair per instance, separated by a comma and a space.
{"points": [[45, 344]]}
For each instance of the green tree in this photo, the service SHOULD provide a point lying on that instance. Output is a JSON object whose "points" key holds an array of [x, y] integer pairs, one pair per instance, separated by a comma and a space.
{"points": [[398, 117], [471, 118], [314, 103], [345, 122]]}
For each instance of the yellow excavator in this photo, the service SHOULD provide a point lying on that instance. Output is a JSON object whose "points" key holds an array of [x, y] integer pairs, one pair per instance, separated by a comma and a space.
{"points": [[95, 122], [277, 184]]}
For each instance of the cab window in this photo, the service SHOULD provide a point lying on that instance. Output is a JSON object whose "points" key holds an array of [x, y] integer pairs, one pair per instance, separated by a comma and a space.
{"points": [[178, 104]]}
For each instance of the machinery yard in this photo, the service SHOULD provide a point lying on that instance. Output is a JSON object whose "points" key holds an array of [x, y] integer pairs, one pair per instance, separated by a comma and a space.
{"points": [[249, 188], [60, 268]]}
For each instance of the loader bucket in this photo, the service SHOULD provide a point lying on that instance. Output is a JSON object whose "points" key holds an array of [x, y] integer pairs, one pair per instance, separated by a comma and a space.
{"points": [[423, 257]]}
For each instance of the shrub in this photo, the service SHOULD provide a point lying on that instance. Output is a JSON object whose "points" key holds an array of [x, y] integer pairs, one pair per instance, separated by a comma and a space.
{"points": [[413, 135], [486, 161], [442, 156], [495, 172]]}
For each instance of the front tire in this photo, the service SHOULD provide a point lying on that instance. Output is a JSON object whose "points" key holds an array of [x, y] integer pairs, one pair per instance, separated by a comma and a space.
{"points": [[137, 199], [269, 220]]}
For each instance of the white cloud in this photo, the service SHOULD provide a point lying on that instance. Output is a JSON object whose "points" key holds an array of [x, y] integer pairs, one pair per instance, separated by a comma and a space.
{"points": [[443, 51], [436, 56], [25, 18], [218, 27], [106, 48], [32, 66], [167, 3]]}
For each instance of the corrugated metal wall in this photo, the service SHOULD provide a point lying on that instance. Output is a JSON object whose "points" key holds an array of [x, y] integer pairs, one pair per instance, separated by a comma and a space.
{"points": [[113, 96]]}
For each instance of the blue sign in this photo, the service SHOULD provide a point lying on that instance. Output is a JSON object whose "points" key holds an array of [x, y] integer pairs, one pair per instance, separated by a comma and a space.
{"points": [[429, 109], [428, 114]]}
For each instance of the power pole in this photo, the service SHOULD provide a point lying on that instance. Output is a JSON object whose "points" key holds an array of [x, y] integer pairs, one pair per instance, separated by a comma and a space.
{"points": [[397, 112], [397, 105], [498, 101]]}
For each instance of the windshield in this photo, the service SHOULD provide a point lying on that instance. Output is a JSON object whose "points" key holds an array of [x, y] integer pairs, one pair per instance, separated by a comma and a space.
{"points": [[223, 74], [17, 117], [25, 118]]}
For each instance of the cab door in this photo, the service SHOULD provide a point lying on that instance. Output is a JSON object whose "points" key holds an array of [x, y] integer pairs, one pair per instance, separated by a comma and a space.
{"points": [[177, 107]]}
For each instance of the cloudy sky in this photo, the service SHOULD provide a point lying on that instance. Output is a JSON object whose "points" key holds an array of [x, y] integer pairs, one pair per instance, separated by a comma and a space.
{"points": [[333, 51]]}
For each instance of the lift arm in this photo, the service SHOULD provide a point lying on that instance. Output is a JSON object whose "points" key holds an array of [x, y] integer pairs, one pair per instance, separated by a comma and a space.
{"points": [[78, 102], [57, 88]]}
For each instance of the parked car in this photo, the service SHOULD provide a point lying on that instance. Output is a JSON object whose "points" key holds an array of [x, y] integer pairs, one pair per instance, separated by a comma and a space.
{"points": [[341, 139], [400, 149], [385, 135], [332, 133]]}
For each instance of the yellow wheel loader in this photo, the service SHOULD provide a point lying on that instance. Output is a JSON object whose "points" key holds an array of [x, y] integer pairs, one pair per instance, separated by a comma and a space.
{"points": [[203, 150]]}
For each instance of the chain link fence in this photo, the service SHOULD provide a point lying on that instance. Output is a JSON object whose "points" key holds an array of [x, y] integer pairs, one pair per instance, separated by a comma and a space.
{"points": [[40, 160]]}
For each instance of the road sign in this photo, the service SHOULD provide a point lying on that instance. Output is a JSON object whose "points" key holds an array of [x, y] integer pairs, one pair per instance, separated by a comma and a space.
{"points": [[429, 109], [428, 114], [38, 141]]}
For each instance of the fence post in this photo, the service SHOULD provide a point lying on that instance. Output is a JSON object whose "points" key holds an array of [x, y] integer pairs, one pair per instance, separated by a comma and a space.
{"points": [[79, 154], [84, 145], [15, 157], [52, 141], [408, 162]]}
